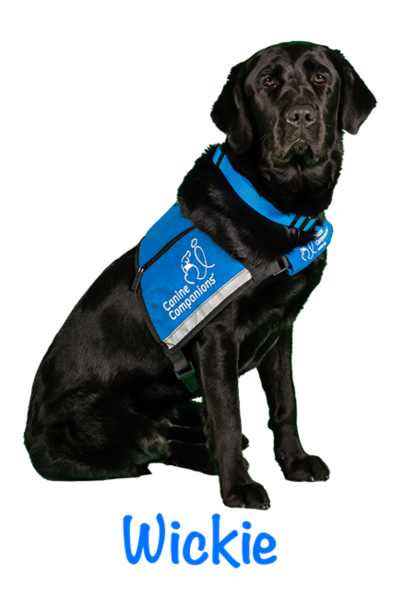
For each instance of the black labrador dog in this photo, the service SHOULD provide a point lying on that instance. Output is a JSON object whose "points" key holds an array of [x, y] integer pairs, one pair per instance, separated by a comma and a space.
{"points": [[105, 401]]}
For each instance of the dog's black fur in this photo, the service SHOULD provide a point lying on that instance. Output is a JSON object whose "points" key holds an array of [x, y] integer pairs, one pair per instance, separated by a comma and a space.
{"points": [[105, 402]]}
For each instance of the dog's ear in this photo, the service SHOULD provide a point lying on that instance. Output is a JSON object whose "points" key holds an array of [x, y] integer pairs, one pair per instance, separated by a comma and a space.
{"points": [[356, 101], [230, 112]]}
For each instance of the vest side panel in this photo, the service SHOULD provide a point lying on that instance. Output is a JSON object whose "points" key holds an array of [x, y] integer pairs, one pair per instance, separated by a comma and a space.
{"points": [[187, 283]]}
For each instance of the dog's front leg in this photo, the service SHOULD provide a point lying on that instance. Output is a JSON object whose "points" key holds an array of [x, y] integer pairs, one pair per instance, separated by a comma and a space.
{"points": [[276, 377], [217, 363]]}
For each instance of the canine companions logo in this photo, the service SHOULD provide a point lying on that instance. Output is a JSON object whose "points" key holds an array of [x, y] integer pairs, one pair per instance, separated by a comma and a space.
{"points": [[192, 556], [200, 257], [313, 248], [195, 268], [186, 280]]}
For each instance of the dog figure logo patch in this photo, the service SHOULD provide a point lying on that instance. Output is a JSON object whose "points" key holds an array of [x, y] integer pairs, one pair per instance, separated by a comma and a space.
{"points": [[200, 257]]}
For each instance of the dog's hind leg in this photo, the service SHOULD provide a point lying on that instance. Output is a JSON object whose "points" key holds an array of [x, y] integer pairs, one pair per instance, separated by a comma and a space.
{"points": [[92, 434], [97, 435], [187, 425], [188, 414], [189, 456]]}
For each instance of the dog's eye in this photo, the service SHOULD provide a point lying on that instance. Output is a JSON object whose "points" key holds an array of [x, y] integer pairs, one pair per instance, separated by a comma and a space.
{"points": [[269, 82], [319, 78]]}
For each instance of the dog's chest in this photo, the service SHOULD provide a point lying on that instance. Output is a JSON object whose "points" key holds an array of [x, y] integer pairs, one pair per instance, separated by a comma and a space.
{"points": [[263, 315]]}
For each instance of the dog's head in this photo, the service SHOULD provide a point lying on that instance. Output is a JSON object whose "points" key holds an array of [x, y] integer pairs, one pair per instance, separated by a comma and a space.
{"points": [[293, 101]]}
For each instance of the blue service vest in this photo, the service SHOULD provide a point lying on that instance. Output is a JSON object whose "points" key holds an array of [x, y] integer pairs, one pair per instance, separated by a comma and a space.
{"points": [[185, 278]]}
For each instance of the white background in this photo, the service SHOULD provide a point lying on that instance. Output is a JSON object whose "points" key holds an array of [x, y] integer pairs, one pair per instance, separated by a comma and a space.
{"points": [[104, 108]]}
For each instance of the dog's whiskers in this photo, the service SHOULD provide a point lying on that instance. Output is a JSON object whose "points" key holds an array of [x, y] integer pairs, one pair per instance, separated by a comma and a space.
{"points": [[265, 136]]}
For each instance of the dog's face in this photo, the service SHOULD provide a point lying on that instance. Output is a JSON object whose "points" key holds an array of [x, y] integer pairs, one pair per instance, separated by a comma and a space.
{"points": [[288, 105], [293, 96]]}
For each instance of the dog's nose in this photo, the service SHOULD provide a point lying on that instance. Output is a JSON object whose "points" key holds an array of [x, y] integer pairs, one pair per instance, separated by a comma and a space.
{"points": [[301, 115]]}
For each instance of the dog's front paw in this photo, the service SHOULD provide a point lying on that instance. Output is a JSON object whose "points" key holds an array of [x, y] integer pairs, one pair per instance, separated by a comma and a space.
{"points": [[247, 495], [305, 468]]}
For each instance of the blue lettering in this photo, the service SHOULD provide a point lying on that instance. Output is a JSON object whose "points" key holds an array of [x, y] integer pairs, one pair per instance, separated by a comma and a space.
{"points": [[246, 543], [219, 545], [258, 549], [175, 543], [143, 543], [187, 545]]}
